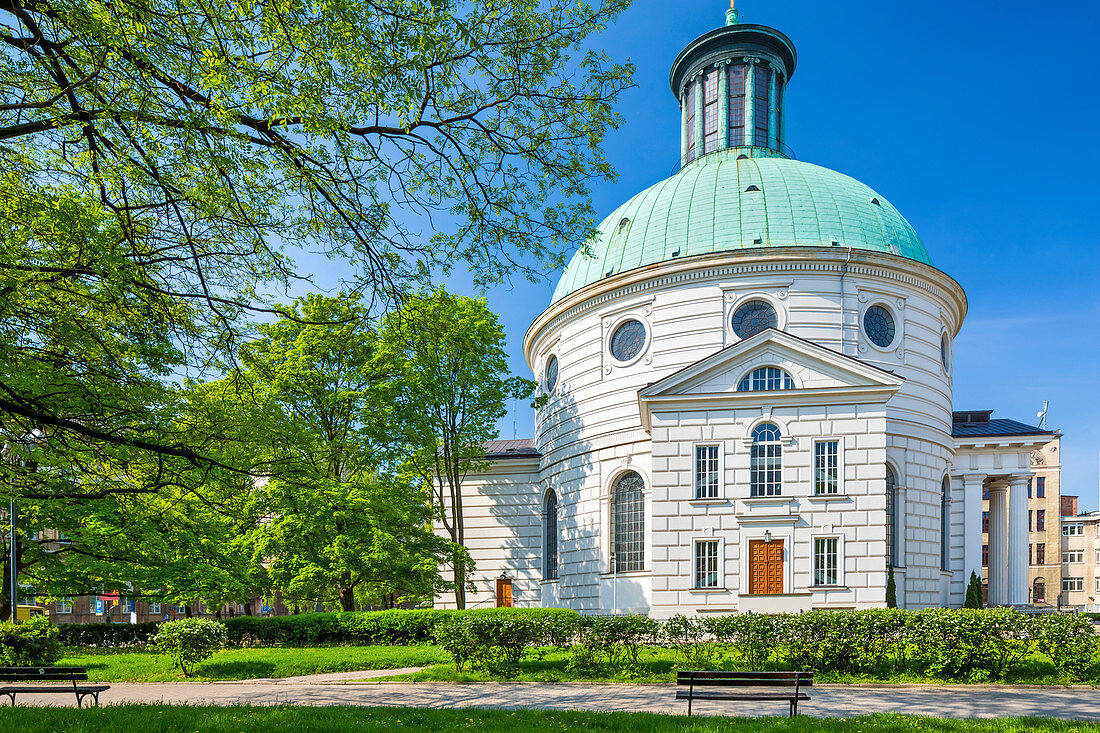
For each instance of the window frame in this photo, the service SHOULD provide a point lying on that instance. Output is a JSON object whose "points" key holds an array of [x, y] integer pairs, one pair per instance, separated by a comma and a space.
{"points": [[749, 380], [767, 487], [895, 318], [1073, 557], [838, 480], [614, 328], [616, 563], [719, 575], [945, 525], [893, 538], [1068, 582], [65, 605], [1068, 526], [1040, 553], [1040, 487], [838, 560], [720, 458], [550, 517]]}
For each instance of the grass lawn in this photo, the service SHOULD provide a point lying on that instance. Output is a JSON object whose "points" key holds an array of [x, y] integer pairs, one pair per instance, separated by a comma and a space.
{"points": [[169, 719], [138, 665], [660, 665]]}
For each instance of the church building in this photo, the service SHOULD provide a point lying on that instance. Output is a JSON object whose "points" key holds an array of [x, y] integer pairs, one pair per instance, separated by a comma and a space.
{"points": [[749, 383]]}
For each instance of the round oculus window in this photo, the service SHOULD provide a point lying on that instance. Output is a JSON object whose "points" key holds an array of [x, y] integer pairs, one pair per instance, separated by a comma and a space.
{"points": [[945, 352], [551, 374], [879, 326], [628, 340], [754, 317]]}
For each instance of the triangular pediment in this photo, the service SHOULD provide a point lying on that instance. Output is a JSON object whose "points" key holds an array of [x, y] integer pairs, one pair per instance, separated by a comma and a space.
{"points": [[818, 375]]}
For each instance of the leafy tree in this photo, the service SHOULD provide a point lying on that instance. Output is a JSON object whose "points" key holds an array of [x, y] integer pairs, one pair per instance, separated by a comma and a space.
{"points": [[162, 160], [338, 522], [453, 387], [891, 590]]}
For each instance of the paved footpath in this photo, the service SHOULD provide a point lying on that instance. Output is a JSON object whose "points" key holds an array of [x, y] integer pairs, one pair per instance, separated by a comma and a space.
{"points": [[356, 688]]}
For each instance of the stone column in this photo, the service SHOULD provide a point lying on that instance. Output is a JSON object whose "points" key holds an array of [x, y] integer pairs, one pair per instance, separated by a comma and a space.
{"points": [[723, 105], [972, 524], [685, 152], [750, 99], [699, 128], [998, 545], [773, 109], [1017, 540]]}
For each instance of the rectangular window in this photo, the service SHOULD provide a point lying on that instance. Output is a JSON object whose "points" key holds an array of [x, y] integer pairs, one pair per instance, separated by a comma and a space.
{"points": [[1098, 557], [1030, 555], [1040, 554], [737, 104], [154, 607], [985, 494], [1073, 556], [710, 111], [1070, 530], [1041, 487], [825, 561], [706, 563], [985, 522], [826, 467], [761, 94], [985, 556], [1029, 488], [64, 605], [706, 472], [1040, 520], [1073, 583], [1029, 524]]}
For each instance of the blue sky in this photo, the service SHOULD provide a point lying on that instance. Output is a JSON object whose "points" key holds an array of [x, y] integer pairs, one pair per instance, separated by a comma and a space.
{"points": [[978, 120]]}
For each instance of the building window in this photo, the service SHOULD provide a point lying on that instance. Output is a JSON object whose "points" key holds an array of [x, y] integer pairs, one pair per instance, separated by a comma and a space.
{"points": [[628, 340], [826, 467], [689, 100], [1030, 549], [985, 493], [754, 317], [710, 111], [706, 563], [891, 517], [945, 353], [1029, 488], [825, 561], [1073, 556], [1041, 553], [706, 472], [765, 379], [985, 522], [154, 607], [1039, 591], [879, 326], [64, 604], [761, 93], [550, 537], [765, 461], [1098, 557], [945, 525], [628, 523], [1069, 530], [1029, 525], [1040, 487], [737, 104], [1073, 584], [1040, 520], [551, 374], [985, 556]]}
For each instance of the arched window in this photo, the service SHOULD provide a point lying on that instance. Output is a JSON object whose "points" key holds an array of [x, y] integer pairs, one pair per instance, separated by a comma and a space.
{"points": [[891, 517], [945, 524], [628, 523], [550, 537], [765, 461], [1039, 591], [765, 379]]}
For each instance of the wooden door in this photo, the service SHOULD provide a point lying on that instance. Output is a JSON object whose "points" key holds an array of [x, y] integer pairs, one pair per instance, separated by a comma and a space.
{"points": [[765, 566]]}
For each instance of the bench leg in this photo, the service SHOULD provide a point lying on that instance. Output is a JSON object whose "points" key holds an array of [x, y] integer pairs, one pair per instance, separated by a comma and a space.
{"points": [[689, 704], [794, 708], [12, 696]]}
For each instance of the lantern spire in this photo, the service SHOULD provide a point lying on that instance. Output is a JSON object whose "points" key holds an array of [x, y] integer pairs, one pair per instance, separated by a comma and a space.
{"points": [[731, 15]]}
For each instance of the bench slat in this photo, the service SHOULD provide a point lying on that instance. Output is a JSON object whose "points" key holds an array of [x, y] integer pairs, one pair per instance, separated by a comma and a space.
{"points": [[748, 682], [15, 670], [741, 673], [708, 695], [37, 677], [28, 690]]}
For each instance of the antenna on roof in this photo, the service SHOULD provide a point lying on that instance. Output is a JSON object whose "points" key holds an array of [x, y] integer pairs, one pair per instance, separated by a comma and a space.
{"points": [[1042, 415]]}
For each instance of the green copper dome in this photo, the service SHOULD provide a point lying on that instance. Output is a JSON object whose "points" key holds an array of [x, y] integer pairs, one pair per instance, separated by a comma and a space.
{"points": [[720, 203]]}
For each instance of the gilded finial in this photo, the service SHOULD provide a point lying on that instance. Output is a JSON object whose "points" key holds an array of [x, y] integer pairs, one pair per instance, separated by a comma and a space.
{"points": [[731, 15]]}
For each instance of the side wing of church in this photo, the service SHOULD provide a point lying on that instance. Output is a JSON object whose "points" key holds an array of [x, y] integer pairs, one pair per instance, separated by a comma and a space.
{"points": [[749, 382]]}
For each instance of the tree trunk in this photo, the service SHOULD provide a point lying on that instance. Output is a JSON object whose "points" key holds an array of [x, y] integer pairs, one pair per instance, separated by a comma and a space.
{"points": [[460, 585], [347, 599]]}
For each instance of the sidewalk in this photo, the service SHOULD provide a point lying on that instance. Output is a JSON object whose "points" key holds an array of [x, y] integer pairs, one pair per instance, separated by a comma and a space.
{"points": [[953, 701]]}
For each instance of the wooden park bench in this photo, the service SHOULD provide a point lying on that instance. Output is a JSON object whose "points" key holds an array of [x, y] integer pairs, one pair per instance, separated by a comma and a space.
{"points": [[26, 677], [745, 686]]}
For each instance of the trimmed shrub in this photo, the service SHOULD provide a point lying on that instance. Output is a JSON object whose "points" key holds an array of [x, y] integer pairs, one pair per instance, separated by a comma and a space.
{"points": [[612, 642], [690, 637], [190, 641], [109, 636], [751, 635], [972, 644], [32, 643], [1068, 639], [493, 640]]}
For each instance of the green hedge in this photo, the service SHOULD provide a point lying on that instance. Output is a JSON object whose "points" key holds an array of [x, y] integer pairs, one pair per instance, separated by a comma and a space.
{"points": [[111, 636], [30, 644]]}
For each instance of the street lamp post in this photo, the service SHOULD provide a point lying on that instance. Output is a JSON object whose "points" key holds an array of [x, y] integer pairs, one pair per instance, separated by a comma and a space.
{"points": [[27, 443]]}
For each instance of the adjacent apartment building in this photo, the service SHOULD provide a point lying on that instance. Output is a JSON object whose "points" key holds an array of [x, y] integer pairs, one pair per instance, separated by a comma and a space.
{"points": [[1080, 556], [1044, 523]]}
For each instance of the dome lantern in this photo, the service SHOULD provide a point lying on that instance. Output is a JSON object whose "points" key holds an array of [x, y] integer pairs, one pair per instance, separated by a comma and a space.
{"points": [[731, 83]]}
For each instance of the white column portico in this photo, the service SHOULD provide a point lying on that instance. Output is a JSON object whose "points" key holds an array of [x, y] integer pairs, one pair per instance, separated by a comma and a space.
{"points": [[1017, 541], [998, 545], [972, 524]]}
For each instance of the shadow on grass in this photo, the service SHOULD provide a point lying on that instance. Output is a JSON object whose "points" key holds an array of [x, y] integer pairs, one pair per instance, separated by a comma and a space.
{"points": [[242, 670]]}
